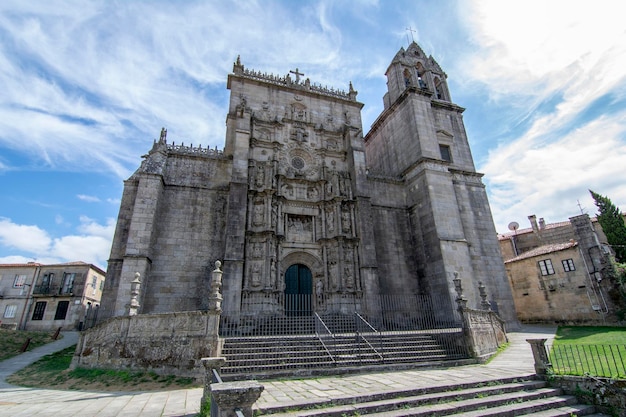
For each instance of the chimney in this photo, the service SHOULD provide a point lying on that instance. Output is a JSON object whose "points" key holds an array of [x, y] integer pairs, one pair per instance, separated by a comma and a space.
{"points": [[542, 224], [533, 222]]}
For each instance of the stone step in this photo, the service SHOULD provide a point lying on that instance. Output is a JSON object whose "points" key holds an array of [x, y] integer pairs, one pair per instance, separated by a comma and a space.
{"points": [[313, 349], [493, 398]]}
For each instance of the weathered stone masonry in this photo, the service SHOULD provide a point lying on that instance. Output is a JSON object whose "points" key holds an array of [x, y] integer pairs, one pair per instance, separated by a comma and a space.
{"points": [[299, 190]]}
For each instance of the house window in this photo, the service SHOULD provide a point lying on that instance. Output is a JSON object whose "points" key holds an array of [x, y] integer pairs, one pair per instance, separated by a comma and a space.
{"points": [[546, 267], [19, 282], [68, 283], [568, 265], [101, 285], [9, 311], [40, 308], [94, 284], [61, 310], [446, 155]]}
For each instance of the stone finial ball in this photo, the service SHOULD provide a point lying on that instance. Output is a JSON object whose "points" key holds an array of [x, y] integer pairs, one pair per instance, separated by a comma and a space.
{"points": [[218, 264]]}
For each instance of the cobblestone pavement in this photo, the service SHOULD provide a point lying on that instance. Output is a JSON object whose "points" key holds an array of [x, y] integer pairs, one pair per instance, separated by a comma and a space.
{"points": [[516, 360]]}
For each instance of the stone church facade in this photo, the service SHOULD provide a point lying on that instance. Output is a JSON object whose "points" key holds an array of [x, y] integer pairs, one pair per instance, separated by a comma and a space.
{"points": [[301, 203]]}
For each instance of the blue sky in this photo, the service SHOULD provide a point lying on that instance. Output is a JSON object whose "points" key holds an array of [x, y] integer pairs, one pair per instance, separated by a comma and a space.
{"points": [[87, 85]]}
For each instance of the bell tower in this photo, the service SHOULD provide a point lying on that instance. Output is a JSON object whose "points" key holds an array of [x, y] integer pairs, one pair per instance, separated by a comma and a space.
{"points": [[420, 141]]}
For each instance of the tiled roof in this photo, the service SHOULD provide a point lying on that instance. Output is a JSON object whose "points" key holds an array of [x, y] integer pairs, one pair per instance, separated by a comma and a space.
{"points": [[37, 264], [542, 250], [507, 235]]}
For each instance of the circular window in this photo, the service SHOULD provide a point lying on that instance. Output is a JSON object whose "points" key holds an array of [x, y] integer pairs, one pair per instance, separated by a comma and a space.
{"points": [[297, 162]]}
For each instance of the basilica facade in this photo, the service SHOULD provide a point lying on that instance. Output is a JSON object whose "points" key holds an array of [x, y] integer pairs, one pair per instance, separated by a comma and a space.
{"points": [[305, 211]]}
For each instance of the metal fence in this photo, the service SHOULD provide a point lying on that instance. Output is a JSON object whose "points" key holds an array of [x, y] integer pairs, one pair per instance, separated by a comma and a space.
{"points": [[282, 314], [597, 360], [306, 332]]}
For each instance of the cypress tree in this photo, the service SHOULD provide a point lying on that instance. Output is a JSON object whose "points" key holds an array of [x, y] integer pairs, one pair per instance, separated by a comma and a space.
{"points": [[610, 218]]}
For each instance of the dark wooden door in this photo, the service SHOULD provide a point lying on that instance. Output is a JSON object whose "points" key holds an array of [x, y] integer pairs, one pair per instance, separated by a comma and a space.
{"points": [[298, 290]]}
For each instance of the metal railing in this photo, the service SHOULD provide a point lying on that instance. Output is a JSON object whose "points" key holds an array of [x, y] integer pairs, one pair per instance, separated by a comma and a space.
{"points": [[304, 332], [363, 329], [323, 333], [597, 360], [215, 379]]}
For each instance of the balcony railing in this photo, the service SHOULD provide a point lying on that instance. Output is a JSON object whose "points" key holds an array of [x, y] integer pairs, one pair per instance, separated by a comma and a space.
{"points": [[51, 290]]}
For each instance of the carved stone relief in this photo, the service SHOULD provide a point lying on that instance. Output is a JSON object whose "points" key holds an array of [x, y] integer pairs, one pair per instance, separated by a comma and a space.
{"points": [[299, 228], [257, 213]]}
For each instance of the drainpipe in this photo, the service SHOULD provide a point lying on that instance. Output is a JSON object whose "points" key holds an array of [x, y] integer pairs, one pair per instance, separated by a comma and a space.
{"points": [[29, 298]]}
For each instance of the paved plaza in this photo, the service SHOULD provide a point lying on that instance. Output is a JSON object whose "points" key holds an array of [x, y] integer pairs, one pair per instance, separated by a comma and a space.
{"points": [[516, 360]]}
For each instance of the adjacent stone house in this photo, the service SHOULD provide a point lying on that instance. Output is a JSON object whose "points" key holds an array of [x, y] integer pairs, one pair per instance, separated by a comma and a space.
{"points": [[559, 272], [36, 296]]}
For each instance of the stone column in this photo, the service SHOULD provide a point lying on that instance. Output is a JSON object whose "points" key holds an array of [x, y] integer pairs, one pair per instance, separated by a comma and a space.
{"points": [[232, 396], [209, 365], [542, 362], [215, 311]]}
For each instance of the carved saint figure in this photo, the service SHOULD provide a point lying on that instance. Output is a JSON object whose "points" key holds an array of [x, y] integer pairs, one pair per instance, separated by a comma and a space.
{"points": [[257, 218], [330, 220], [260, 176], [345, 221], [256, 275]]}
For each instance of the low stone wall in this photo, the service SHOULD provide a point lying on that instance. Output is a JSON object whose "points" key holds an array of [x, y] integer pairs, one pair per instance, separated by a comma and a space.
{"points": [[171, 343], [608, 395], [485, 332]]}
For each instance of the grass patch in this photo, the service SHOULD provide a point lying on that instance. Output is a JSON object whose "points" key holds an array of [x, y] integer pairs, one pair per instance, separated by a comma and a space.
{"points": [[52, 371], [590, 335], [594, 350], [500, 349], [11, 341]]}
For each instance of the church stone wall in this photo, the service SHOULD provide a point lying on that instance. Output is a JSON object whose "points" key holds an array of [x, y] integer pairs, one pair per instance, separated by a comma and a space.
{"points": [[397, 267], [189, 239], [298, 185]]}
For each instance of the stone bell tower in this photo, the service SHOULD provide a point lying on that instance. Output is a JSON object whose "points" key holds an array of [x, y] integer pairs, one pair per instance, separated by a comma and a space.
{"points": [[419, 140]]}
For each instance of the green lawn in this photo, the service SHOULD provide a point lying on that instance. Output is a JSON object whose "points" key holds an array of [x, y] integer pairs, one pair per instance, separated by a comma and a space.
{"points": [[52, 371], [11, 341], [599, 351]]}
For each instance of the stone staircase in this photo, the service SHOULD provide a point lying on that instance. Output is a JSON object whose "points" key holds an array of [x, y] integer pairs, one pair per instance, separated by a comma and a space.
{"points": [[502, 397], [261, 357]]}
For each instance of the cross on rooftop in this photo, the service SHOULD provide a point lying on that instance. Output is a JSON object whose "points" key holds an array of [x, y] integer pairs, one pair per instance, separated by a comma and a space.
{"points": [[298, 74], [411, 30]]}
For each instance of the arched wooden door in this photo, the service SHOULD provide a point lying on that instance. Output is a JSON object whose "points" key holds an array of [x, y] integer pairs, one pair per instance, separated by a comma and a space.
{"points": [[298, 290]]}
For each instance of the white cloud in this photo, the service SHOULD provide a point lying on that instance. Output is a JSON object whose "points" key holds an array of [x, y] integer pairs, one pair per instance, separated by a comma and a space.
{"points": [[92, 244], [548, 180], [88, 198], [550, 61], [23, 237]]}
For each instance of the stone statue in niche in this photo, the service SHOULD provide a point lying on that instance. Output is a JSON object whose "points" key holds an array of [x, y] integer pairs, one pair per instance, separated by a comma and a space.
{"points": [[256, 275], [257, 250], [272, 272], [330, 220], [319, 291], [312, 193], [299, 134], [345, 221], [348, 278], [329, 189], [260, 176], [332, 268], [257, 217]]}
